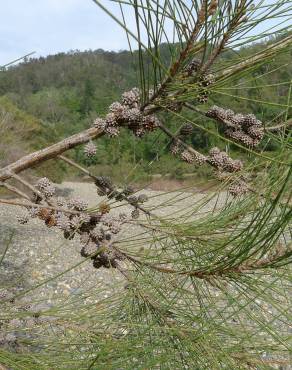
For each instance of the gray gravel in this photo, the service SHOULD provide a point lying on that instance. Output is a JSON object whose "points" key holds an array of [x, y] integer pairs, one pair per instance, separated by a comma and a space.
{"points": [[37, 253]]}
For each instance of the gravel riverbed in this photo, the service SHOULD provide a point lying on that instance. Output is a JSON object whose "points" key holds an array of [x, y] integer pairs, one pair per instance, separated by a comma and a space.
{"points": [[37, 253]]}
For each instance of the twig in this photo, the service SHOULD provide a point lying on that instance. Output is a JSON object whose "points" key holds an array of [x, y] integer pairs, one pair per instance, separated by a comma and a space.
{"points": [[280, 125], [188, 147], [233, 24], [267, 128], [183, 55], [195, 109], [31, 187], [13, 189], [76, 165], [202, 274], [96, 179], [268, 52], [124, 272], [34, 205]]}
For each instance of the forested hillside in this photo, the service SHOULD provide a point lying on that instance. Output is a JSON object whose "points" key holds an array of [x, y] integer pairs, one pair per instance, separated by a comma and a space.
{"points": [[58, 95]]}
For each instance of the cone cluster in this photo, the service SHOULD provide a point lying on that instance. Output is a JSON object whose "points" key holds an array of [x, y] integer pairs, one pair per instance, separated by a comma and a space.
{"points": [[177, 148], [186, 129], [175, 106], [45, 186], [77, 203], [192, 67], [106, 188], [245, 129], [127, 113], [221, 161], [96, 230], [204, 80], [90, 149], [238, 188]]}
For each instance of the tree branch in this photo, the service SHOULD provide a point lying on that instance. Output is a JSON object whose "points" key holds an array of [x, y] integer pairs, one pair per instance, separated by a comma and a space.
{"points": [[205, 274], [280, 125], [50, 152], [13, 189], [233, 24], [183, 55], [31, 187], [267, 128], [186, 146], [257, 58]]}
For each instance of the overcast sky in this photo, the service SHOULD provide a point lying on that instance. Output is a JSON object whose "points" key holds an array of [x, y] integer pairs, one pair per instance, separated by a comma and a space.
{"points": [[51, 26]]}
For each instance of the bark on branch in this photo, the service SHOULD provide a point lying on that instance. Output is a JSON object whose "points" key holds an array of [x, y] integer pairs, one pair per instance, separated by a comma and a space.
{"points": [[50, 152]]}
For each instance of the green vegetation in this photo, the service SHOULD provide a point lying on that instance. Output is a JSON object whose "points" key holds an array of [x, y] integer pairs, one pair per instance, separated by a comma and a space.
{"points": [[61, 94]]}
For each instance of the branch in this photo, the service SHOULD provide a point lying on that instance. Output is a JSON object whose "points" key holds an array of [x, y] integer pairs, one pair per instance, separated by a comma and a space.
{"points": [[178, 140], [275, 128], [257, 58], [267, 128], [50, 152], [233, 24], [183, 55], [206, 274], [35, 205], [31, 187]]}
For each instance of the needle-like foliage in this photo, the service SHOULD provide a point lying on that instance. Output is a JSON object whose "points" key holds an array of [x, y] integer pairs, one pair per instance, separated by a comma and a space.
{"points": [[204, 277]]}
